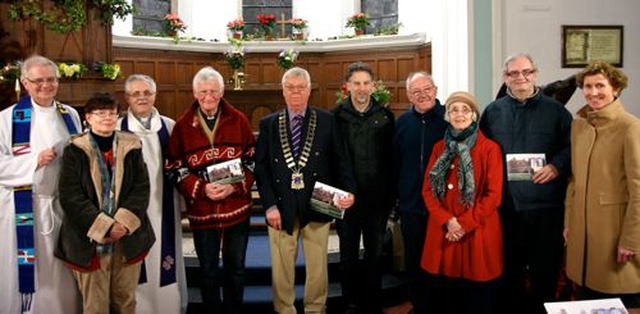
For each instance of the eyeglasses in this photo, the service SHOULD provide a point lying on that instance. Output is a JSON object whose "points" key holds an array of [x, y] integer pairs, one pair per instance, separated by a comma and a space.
{"points": [[205, 93], [40, 81], [515, 74], [105, 113], [292, 88], [419, 92], [456, 112], [138, 94]]}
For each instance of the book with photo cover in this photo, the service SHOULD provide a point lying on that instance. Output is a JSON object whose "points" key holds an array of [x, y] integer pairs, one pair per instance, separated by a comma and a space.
{"points": [[227, 172], [521, 167], [324, 199]]}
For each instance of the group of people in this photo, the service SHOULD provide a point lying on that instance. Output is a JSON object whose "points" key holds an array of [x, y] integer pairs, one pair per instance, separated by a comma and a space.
{"points": [[92, 219]]}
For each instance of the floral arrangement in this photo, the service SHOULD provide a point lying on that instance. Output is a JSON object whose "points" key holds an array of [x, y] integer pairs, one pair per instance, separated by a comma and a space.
{"points": [[235, 57], [266, 20], [380, 93], [10, 72], [110, 71], [287, 58], [236, 25], [298, 23], [359, 21], [173, 24], [72, 70]]}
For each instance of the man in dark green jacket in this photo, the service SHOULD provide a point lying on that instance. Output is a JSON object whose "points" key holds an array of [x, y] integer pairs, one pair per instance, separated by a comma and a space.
{"points": [[367, 128]]}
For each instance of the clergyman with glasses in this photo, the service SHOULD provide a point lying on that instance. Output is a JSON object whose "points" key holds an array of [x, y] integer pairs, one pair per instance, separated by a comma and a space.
{"points": [[297, 147], [528, 124], [33, 133], [163, 288], [417, 130], [211, 131]]}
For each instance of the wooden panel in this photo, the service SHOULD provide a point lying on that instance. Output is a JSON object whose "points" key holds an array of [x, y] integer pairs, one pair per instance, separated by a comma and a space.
{"points": [[174, 70]]}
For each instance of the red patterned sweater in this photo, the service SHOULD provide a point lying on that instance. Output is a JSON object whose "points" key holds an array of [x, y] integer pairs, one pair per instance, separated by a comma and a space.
{"points": [[190, 152]]}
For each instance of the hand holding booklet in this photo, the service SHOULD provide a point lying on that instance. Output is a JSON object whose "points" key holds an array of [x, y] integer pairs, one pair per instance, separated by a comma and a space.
{"points": [[521, 167], [227, 172], [324, 199]]}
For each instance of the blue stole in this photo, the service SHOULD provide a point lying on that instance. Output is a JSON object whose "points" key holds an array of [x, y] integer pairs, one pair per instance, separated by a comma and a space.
{"points": [[168, 245], [23, 197]]}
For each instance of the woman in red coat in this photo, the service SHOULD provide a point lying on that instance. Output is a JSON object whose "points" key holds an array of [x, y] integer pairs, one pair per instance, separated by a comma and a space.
{"points": [[462, 190]]}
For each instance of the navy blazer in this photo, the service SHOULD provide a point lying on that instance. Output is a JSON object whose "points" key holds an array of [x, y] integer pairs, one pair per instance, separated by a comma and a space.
{"points": [[328, 163]]}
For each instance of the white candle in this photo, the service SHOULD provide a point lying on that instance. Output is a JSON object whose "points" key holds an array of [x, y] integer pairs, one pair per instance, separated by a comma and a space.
{"points": [[18, 88]]}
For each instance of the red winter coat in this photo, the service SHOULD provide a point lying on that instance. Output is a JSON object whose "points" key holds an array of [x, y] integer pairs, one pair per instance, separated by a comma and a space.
{"points": [[478, 254]]}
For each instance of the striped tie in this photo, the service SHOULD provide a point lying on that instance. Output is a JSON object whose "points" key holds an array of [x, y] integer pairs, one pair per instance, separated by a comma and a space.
{"points": [[296, 134]]}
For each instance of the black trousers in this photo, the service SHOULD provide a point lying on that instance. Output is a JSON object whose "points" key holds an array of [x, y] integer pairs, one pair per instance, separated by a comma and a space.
{"points": [[459, 296], [533, 255], [233, 242], [414, 231], [361, 284]]}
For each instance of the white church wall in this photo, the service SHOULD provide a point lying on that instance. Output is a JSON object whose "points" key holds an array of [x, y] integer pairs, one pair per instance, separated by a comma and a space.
{"points": [[535, 27]]}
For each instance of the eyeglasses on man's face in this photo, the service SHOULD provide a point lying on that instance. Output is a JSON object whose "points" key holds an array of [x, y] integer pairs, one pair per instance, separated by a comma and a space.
{"points": [[40, 81], [291, 88], [143, 94], [105, 113], [515, 74], [421, 91]]}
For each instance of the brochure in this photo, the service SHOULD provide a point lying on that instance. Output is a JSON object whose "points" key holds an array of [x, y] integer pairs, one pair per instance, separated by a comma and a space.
{"points": [[521, 167], [601, 306], [227, 172], [324, 198]]}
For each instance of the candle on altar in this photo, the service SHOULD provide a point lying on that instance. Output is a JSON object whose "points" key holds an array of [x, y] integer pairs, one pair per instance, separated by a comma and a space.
{"points": [[17, 89]]}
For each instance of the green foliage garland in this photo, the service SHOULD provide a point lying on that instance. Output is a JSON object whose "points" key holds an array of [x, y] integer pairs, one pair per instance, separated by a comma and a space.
{"points": [[66, 16]]}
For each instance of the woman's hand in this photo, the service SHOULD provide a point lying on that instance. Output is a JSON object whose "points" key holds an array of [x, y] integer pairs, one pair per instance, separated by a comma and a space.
{"points": [[455, 232]]}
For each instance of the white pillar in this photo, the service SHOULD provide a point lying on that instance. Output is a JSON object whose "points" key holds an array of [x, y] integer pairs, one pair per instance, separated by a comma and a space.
{"points": [[450, 45], [208, 19], [123, 27], [326, 18]]}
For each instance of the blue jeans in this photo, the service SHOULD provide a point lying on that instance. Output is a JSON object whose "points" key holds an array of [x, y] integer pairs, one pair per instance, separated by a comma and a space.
{"points": [[230, 277]]}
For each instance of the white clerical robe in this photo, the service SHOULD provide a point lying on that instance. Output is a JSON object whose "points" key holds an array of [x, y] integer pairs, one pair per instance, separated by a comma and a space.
{"points": [[56, 290], [150, 297]]}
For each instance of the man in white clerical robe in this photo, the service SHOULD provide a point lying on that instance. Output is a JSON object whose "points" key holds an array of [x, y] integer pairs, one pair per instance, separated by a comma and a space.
{"points": [[162, 287], [33, 133]]}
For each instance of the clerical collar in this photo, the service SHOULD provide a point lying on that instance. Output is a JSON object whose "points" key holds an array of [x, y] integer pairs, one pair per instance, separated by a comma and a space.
{"points": [[208, 117], [145, 121]]}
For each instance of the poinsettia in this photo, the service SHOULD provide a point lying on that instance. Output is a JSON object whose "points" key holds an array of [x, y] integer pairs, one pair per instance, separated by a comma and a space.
{"points": [[268, 20], [236, 25]]}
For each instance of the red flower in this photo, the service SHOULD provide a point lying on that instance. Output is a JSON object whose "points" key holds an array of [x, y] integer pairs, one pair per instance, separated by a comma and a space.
{"points": [[266, 19], [236, 25]]}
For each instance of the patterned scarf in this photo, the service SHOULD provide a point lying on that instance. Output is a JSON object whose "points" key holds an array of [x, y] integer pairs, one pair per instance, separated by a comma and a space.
{"points": [[23, 197], [456, 143], [108, 184]]}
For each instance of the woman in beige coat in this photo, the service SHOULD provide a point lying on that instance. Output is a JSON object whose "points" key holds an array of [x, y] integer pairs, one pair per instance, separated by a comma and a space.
{"points": [[602, 219]]}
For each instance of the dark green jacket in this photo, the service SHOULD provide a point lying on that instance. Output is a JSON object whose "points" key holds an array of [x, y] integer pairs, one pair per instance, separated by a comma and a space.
{"points": [[84, 224]]}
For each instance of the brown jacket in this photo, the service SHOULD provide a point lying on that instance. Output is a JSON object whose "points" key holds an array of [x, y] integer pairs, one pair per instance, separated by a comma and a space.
{"points": [[603, 199]]}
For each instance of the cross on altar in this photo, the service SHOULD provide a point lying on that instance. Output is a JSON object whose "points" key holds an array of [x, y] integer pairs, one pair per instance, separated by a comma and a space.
{"points": [[282, 22]]}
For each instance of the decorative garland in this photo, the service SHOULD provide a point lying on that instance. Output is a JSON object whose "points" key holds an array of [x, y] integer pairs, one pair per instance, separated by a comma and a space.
{"points": [[66, 16]]}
